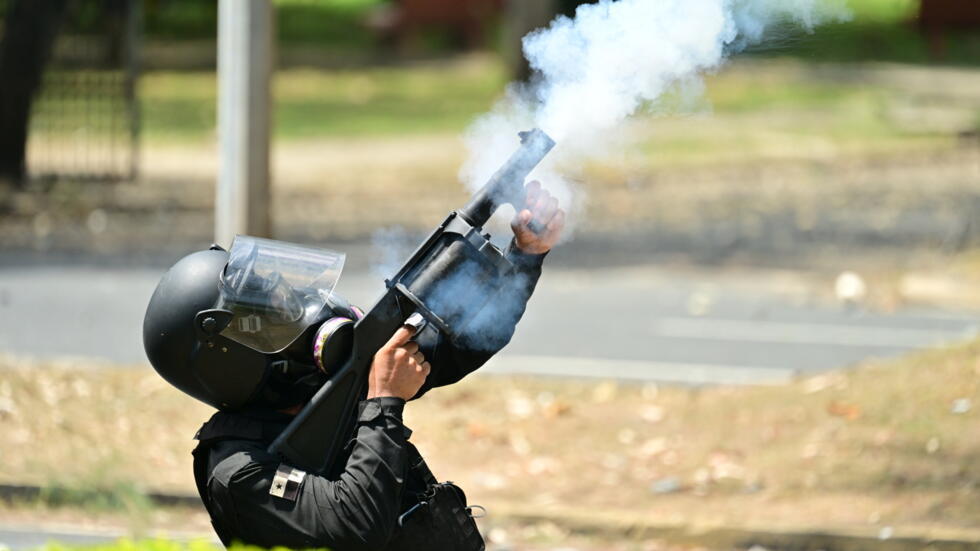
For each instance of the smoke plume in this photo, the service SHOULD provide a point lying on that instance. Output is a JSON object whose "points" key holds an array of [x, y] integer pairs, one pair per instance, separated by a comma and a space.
{"points": [[614, 59]]}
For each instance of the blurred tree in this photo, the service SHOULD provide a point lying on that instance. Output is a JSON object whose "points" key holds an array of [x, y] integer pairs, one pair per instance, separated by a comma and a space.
{"points": [[523, 16], [936, 17], [400, 22], [30, 29], [567, 7]]}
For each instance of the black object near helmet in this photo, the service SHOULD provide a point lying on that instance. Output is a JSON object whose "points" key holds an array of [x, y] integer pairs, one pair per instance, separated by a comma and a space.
{"points": [[258, 326]]}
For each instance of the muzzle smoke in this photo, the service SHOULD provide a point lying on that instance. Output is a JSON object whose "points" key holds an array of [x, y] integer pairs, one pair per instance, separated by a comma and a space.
{"points": [[614, 59]]}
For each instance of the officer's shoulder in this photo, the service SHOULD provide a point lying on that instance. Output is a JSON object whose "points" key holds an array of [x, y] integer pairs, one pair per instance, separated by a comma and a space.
{"points": [[225, 425], [239, 460]]}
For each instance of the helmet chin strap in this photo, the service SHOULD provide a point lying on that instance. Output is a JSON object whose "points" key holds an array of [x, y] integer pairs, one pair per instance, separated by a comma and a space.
{"points": [[291, 382], [310, 383], [295, 374]]}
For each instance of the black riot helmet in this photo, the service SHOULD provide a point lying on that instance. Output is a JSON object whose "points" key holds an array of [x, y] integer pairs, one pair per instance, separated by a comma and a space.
{"points": [[256, 326]]}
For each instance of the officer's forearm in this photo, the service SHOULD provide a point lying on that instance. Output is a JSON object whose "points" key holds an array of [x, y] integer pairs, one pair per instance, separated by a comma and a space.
{"points": [[453, 361], [363, 504]]}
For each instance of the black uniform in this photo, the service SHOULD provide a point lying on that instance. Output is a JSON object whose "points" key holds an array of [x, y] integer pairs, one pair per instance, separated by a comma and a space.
{"points": [[256, 499]]}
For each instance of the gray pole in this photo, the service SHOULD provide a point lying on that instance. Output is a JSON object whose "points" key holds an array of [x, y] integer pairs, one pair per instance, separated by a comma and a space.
{"points": [[245, 60]]}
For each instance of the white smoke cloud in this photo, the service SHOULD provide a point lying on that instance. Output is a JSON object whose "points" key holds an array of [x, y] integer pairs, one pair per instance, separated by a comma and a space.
{"points": [[610, 61]]}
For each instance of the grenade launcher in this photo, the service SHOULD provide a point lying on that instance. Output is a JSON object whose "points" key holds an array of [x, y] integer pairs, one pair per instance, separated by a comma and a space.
{"points": [[458, 247]]}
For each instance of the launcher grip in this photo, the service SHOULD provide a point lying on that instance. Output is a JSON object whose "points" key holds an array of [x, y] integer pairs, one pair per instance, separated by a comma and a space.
{"points": [[536, 227]]}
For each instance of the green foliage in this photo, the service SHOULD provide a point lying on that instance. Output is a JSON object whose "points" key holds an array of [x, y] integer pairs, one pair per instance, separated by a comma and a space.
{"points": [[883, 11], [867, 41], [880, 30], [138, 545], [153, 545], [336, 24], [181, 19]]}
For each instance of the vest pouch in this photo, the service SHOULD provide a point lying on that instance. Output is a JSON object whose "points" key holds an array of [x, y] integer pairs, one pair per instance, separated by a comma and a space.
{"points": [[440, 521]]}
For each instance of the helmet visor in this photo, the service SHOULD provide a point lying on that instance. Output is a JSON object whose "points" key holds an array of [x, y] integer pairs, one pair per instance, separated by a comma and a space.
{"points": [[275, 290]]}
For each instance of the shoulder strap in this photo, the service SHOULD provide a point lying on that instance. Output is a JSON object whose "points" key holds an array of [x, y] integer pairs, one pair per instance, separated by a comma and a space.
{"points": [[200, 454], [418, 465]]}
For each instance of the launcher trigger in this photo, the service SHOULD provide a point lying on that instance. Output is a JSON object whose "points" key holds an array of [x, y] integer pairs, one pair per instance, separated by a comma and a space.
{"points": [[417, 322]]}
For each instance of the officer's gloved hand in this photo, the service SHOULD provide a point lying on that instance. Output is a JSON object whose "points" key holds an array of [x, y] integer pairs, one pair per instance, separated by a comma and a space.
{"points": [[543, 209], [399, 368]]}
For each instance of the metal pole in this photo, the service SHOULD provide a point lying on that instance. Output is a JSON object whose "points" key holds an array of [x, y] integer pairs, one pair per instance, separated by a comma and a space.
{"points": [[245, 64]]}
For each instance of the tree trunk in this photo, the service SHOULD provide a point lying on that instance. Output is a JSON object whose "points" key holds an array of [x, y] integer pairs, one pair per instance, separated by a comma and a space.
{"points": [[29, 32], [522, 17]]}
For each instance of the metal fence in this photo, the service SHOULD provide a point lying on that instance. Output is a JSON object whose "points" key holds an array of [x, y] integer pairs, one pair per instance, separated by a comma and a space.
{"points": [[84, 123]]}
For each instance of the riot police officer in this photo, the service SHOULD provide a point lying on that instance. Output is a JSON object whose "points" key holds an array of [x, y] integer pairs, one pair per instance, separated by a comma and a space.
{"points": [[259, 367]]}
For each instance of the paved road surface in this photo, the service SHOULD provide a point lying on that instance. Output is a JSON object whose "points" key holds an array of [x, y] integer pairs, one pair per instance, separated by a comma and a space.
{"points": [[632, 323]]}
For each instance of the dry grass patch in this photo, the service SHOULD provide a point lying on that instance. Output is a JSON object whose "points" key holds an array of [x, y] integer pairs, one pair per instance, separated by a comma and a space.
{"points": [[888, 444]]}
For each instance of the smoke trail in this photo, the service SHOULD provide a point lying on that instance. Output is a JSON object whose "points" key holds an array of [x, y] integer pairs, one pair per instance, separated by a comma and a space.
{"points": [[611, 60], [390, 247]]}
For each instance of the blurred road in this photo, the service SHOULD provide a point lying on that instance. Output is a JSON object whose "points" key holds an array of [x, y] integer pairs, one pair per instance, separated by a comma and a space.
{"points": [[22, 538], [640, 323]]}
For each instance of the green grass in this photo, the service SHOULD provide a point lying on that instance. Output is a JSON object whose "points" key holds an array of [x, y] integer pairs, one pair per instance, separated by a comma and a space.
{"points": [[364, 102], [404, 100], [751, 109]]}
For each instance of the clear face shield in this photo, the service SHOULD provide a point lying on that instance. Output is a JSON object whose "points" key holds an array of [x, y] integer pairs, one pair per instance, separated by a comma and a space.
{"points": [[275, 290]]}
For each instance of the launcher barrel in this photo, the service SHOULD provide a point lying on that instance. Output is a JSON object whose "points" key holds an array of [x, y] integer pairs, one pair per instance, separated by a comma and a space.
{"points": [[506, 186]]}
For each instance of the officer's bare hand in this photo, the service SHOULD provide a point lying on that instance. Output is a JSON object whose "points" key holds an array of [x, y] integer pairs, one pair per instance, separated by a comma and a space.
{"points": [[399, 368], [543, 209]]}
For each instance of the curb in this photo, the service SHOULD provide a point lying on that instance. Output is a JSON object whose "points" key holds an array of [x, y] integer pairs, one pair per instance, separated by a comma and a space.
{"points": [[611, 526], [14, 493]]}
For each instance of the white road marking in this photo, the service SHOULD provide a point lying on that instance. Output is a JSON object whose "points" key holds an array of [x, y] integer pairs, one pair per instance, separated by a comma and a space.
{"points": [[964, 318], [601, 368], [804, 333]]}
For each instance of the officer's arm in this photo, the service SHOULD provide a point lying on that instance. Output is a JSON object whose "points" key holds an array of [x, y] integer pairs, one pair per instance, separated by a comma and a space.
{"points": [[495, 326], [356, 510]]}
